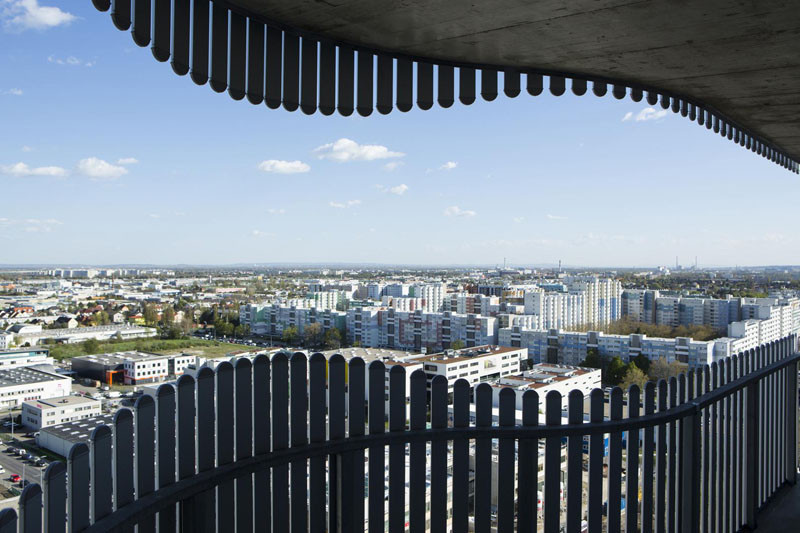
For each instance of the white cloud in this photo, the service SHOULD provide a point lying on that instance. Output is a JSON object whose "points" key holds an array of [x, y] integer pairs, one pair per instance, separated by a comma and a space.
{"points": [[399, 190], [648, 113], [273, 211], [28, 14], [345, 150], [392, 165], [344, 205], [38, 225], [283, 167], [21, 169], [97, 169], [450, 165], [556, 217], [127, 161], [153, 215], [14, 91], [519, 220], [27, 149], [71, 61], [259, 233], [30, 225], [455, 211]]}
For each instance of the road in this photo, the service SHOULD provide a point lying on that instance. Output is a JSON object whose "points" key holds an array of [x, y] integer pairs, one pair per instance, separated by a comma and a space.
{"points": [[14, 464]]}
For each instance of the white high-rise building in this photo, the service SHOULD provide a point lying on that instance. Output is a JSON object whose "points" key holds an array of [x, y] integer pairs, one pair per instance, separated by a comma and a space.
{"points": [[602, 299], [431, 294], [559, 310]]}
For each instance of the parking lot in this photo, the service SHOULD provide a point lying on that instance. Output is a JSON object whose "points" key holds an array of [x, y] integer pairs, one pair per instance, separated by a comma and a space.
{"points": [[15, 465]]}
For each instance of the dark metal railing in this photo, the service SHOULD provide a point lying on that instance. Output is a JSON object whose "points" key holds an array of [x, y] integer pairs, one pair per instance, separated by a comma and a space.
{"points": [[301, 444]]}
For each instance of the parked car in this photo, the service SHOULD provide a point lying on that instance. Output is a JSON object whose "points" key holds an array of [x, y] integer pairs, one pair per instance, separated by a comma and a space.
{"points": [[27, 456], [2, 470], [24, 483], [41, 462], [14, 478], [11, 450]]}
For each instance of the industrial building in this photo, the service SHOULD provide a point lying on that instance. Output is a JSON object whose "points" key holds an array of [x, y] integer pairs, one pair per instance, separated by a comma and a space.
{"points": [[24, 357], [544, 378], [59, 439], [21, 384], [478, 364], [37, 414], [131, 368]]}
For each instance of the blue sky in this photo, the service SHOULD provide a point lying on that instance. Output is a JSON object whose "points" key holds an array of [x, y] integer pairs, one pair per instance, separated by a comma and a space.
{"points": [[534, 180]]}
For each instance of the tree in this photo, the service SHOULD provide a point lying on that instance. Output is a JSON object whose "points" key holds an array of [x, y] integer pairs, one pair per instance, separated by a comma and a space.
{"points": [[661, 369], [168, 316], [457, 344], [633, 376], [91, 346], [186, 323], [150, 315], [312, 335], [172, 332], [592, 360], [642, 362], [289, 335], [333, 339], [100, 318], [615, 371]]}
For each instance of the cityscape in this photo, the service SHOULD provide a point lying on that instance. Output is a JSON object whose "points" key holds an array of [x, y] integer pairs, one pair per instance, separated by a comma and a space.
{"points": [[304, 266], [78, 344]]}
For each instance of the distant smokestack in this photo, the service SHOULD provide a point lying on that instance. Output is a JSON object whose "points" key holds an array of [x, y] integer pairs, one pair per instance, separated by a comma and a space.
{"points": [[559, 266]]}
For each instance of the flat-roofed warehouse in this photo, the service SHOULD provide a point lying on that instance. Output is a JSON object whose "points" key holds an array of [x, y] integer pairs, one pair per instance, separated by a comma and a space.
{"points": [[31, 383], [131, 367], [59, 439]]}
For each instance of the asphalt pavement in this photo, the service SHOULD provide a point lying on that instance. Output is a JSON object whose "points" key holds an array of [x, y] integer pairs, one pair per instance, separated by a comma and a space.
{"points": [[14, 464]]}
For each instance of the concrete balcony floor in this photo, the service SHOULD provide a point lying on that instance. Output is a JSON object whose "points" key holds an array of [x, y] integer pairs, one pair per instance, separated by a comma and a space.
{"points": [[782, 513]]}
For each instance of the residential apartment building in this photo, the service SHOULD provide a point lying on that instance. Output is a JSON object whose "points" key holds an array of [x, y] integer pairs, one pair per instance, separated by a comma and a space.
{"points": [[640, 305], [602, 298], [561, 310], [418, 331], [558, 346], [691, 311], [272, 319], [431, 295]]}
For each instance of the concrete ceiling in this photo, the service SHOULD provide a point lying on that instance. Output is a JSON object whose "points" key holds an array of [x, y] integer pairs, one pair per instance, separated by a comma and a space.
{"points": [[740, 57]]}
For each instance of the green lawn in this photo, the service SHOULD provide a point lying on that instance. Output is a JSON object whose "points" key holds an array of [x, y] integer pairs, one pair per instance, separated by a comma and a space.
{"points": [[196, 346]]}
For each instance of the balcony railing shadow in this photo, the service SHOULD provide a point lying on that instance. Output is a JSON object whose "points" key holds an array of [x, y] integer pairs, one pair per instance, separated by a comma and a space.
{"points": [[302, 444]]}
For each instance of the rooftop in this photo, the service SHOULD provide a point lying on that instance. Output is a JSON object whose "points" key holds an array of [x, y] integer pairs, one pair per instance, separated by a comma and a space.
{"points": [[465, 354], [79, 430], [369, 354], [24, 375], [62, 401], [118, 358]]}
